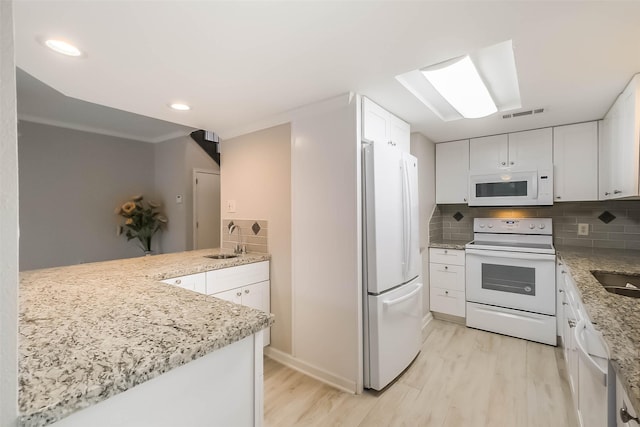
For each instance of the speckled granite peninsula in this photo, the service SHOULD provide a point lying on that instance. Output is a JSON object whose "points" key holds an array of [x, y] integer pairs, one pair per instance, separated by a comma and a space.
{"points": [[90, 331], [617, 317]]}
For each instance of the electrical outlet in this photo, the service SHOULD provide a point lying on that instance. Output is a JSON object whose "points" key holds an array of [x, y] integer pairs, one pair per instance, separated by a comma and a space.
{"points": [[583, 229]]}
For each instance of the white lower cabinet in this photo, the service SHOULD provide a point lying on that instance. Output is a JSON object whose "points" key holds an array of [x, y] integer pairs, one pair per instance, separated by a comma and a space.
{"points": [[624, 412], [246, 284], [447, 281], [586, 358]]}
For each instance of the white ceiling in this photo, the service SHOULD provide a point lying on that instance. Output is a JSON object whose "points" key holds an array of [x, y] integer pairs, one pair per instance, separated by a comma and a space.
{"points": [[240, 63], [40, 103]]}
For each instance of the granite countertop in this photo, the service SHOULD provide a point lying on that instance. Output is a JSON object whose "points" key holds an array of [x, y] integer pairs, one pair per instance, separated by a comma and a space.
{"points": [[617, 317], [449, 244], [90, 331]]}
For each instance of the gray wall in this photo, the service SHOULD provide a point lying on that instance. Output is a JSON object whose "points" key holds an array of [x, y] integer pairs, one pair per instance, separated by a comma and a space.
{"points": [[8, 223], [175, 161], [622, 233], [70, 184]]}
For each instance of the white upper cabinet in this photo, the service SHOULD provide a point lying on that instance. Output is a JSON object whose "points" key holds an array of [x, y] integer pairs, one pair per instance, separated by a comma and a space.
{"points": [[524, 151], [489, 153], [452, 172], [619, 148], [531, 149], [575, 158], [380, 126]]}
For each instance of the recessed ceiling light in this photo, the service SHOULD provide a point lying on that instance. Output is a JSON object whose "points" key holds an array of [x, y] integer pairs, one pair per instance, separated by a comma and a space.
{"points": [[63, 47], [180, 107]]}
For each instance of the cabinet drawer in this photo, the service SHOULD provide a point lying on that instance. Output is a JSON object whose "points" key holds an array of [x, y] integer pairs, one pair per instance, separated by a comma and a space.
{"points": [[192, 282], [447, 276], [446, 256], [234, 277], [447, 302]]}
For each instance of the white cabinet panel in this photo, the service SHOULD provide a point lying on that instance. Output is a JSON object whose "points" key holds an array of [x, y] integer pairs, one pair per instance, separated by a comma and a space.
{"points": [[575, 158], [233, 295], [619, 152], [375, 122], [452, 172], [192, 282], [447, 281], [489, 153], [233, 277], [446, 256], [447, 302], [531, 149], [381, 127], [523, 151]]}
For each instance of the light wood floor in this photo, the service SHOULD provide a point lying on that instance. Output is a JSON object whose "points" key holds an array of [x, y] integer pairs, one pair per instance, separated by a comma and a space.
{"points": [[462, 377]]}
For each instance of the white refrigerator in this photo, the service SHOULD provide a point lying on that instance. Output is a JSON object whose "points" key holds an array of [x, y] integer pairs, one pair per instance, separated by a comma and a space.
{"points": [[391, 263]]}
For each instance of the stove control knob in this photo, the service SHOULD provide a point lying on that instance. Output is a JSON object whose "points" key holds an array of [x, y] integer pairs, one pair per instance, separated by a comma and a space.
{"points": [[531, 226], [481, 225], [490, 225], [541, 226]]}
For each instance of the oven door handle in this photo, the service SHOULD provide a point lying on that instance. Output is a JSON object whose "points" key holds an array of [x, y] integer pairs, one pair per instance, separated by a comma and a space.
{"points": [[512, 255]]}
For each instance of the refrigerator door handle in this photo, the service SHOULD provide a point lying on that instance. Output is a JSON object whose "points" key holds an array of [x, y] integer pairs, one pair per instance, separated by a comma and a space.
{"points": [[405, 219], [410, 295]]}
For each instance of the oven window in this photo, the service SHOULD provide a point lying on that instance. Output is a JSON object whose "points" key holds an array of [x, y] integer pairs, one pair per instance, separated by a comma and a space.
{"points": [[507, 278], [501, 189]]}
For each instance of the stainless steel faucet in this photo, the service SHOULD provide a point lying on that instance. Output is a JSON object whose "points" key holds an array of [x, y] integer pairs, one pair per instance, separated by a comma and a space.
{"points": [[238, 249]]}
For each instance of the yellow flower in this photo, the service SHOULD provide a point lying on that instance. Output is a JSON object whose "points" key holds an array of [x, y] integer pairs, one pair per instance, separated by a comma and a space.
{"points": [[128, 207], [129, 221]]}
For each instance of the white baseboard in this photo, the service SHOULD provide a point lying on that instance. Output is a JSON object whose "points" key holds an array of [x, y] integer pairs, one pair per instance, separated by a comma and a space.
{"points": [[310, 370], [426, 320]]}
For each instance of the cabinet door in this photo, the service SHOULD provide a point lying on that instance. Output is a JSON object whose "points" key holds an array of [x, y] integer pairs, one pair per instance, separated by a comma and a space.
{"points": [[258, 296], [531, 150], [400, 133], [625, 145], [575, 158], [452, 172], [375, 122], [622, 401], [233, 295], [605, 164], [488, 154]]}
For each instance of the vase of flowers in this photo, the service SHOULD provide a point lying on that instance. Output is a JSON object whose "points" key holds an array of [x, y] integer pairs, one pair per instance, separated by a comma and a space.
{"points": [[142, 219]]}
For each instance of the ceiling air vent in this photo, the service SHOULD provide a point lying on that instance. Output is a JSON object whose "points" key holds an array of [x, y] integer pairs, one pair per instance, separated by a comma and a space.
{"points": [[523, 113]]}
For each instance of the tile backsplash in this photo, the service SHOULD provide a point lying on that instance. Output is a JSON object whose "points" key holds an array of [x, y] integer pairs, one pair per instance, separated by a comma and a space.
{"points": [[253, 233], [622, 232]]}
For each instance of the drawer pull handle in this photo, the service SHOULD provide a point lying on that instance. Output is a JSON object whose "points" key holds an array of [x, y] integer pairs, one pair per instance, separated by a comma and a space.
{"points": [[446, 267], [178, 281], [239, 294], [246, 291], [625, 416], [446, 292]]}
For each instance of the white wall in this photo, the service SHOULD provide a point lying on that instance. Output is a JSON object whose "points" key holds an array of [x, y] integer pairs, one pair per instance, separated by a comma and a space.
{"points": [[174, 164], [326, 209], [425, 150], [8, 223], [256, 173], [70, 183]]}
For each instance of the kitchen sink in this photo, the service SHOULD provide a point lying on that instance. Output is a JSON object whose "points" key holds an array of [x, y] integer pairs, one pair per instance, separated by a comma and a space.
{"points": [[616, 283], [221, 256]]}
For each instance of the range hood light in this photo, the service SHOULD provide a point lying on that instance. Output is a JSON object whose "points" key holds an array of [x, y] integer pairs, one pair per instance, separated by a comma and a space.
{"points": [[460, 84]]}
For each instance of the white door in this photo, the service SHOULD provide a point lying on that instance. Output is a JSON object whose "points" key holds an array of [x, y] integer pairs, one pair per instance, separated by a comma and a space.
{"points": [[489, 153], [400, 133], [394, 333], [375, 122], [413, 259], [531, 150], [452, 172], [384, 217], [257, 296], [206, 208], [575, 158], [593, 366]]}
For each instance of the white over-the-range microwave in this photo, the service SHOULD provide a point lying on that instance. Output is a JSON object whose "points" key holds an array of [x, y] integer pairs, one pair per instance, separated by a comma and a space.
{"points": [[511, 188]]}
